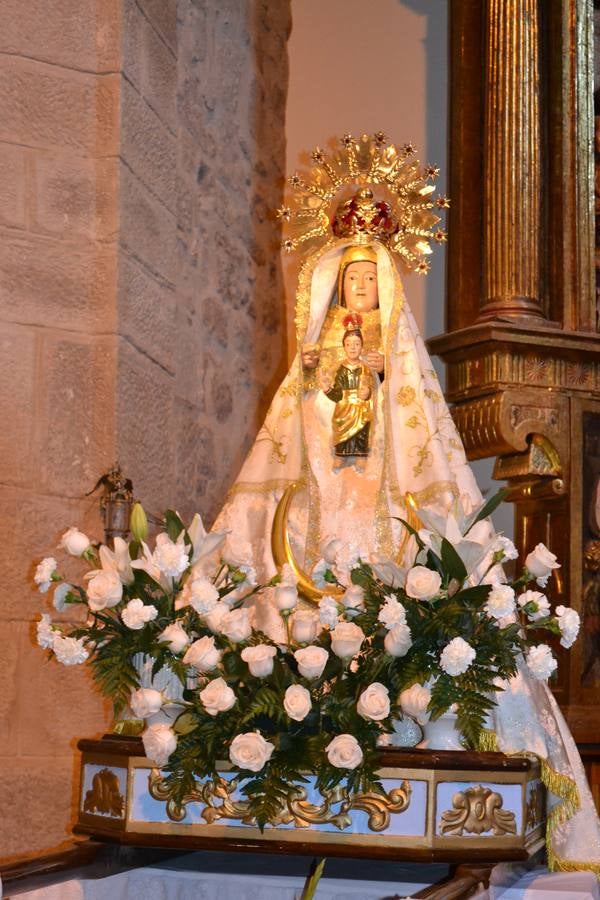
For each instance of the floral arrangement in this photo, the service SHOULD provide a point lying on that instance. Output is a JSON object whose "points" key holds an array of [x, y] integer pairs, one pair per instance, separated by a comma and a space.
{"points": [[386, 644]]}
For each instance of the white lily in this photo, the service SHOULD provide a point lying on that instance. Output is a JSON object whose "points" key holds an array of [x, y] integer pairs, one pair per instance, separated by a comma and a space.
{"points": [[146, 563], [203, 543], [117, 560], [472, 548]]}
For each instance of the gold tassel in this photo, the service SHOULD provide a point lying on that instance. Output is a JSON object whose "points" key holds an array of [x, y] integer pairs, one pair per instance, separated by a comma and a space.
{"points": [[562, 787]]}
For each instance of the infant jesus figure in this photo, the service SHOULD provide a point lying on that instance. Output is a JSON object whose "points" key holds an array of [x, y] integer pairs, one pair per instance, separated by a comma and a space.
{"points": [[352, 393]]}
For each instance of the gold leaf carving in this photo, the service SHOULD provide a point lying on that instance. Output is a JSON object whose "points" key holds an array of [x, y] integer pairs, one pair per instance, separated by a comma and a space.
{"points": [[297, 810], [533, 811], [105, 795], [476, 811]]}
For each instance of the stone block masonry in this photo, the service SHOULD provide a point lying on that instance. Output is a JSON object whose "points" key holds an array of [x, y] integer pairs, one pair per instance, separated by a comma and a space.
{"points": [[141, 304]]}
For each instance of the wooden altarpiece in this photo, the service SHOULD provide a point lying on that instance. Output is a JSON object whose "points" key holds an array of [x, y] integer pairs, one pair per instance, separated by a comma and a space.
{"points": [[522, 347]]}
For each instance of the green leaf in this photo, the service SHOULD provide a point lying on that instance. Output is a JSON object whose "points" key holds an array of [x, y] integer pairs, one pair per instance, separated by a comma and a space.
{"points": [[186, 723], [488, 508], [174, 525], [314, 876], [454, 565], [411, 531]]}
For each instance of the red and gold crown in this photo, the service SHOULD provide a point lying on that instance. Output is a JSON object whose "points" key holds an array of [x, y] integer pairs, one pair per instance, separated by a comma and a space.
{"points": [[339, 198]]}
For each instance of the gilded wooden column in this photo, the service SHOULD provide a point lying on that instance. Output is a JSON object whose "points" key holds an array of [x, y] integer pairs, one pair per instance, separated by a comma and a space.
{"points": [[512, 176]]}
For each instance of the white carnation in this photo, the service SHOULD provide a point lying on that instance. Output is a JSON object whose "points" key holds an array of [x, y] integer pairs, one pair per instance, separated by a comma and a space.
{"points": [[203, 595], [171, 557], [500, 602], [457, 656], [44, 572], [69, 651], [507, 547], [569, 624], [60, 592], [541, 662], [45, 632], [136, 614], [392, 613], [535, 604], [328, 611]]}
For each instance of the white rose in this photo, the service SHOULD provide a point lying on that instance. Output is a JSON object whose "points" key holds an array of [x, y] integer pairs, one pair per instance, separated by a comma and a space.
{"points": [[69, 651], [203, 595], [297, 702], [374, 702], [171, 557], [286, 596], [250, 751], [203, 655], [136, 614], [74, 542], [353, 600], [330, 549], [159, 743], [541, 662], [540, 562], [422, 583], [457, 656], [414, 702], [60, 593], [398, 640], [45, 632], [145, 702], [104, 590], [259, 659], [236, 626], [214, 618], [346, 639], [538, 603], [392, 613], [328, 611], [217, 697], [175, 637], [500, 602], [311, 661], [44, 572], [569, 623], [305, 626], [344, 752]]}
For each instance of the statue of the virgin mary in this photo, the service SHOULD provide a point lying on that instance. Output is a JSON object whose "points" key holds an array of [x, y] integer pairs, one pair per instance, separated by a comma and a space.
{"points": [[364, 211]]}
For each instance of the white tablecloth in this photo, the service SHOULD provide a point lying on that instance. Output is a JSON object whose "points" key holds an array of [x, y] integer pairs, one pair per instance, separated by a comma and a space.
{"points": [[161, 884]]}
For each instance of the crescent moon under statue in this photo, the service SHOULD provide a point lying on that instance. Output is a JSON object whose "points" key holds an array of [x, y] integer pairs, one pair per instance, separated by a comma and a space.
{"points": [[283, 553]]}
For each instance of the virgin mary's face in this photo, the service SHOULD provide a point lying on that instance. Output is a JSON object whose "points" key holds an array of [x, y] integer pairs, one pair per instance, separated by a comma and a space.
{"points": [[360, 287]]}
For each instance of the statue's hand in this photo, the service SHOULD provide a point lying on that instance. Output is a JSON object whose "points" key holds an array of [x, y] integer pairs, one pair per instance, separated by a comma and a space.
{"points": [[310, 354], [364, 393], [374, 360], [325, 382]]}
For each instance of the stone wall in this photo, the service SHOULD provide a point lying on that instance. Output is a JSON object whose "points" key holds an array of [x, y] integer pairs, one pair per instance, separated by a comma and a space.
{"points": [[141, 145]]}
